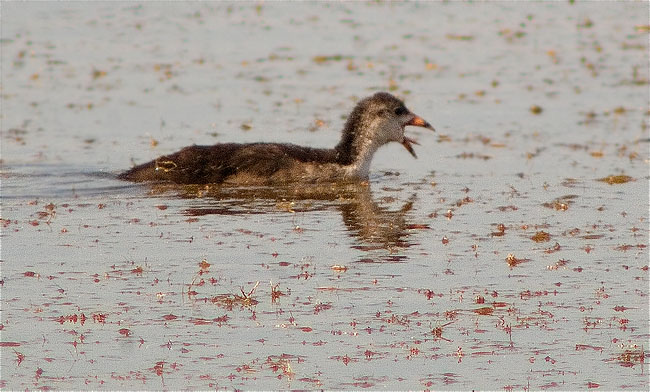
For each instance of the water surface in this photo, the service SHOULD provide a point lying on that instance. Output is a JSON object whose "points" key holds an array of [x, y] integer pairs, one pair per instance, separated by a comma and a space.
{"points": [[497, 260]]}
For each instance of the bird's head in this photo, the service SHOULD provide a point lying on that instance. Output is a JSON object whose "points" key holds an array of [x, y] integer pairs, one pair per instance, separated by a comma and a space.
{"points": [[381, 119]]}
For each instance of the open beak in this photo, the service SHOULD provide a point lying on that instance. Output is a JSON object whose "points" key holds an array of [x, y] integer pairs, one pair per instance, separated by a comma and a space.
{"points": [[407, 143], [416, 121]]}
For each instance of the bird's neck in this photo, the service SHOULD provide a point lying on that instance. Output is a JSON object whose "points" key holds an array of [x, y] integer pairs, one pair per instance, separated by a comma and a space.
{"points": [[356, 147], [356, 155]]}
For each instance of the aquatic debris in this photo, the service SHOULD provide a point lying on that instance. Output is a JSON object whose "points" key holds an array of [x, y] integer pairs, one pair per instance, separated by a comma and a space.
{"points": [[501, 231], [484, 311], [73, 318], [275, 292], [583, 347], [228, 301], [586, 23], [137, 270], [561, 203], [513, 261], [469, 155], [626, 247], [48, 214], [20, 357], [511, 35], [165, 69], [431, 66], [560, 263], [318, 124], [616, 179], [437, 332], [281, 363], [98, 74], [541, 236], [570, 182], [204, 265], [460, 37], [467, 200], [535, 109], [325, 59], [553, 249], [631, 355]]}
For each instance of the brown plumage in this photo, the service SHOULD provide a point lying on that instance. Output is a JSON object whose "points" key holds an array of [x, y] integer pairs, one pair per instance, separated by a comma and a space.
{"points": [[375, 121]]}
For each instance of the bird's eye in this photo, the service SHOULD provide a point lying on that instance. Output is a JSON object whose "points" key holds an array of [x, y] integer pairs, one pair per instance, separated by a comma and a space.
{"points": [[400, 111]]}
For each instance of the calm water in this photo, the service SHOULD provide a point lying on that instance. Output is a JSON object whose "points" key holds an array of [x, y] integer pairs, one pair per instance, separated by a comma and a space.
{"points": [[497, 260]]}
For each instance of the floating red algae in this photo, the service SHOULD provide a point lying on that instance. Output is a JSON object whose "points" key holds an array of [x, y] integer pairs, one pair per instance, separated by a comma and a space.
{"points": [[582, 347], [204, 265], [72, 318], [99, 318], [513, 261], [276, 293], [627, 247], [20, 357], [159, 368], [553, 249], [559, 264], [437, 332], [344, 358], [321, 307], [429, 294], [138, 270], [200, 321], [484, 311]]}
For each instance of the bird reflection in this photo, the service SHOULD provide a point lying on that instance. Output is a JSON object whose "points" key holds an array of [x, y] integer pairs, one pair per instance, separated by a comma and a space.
{"points": [[373, 225]]}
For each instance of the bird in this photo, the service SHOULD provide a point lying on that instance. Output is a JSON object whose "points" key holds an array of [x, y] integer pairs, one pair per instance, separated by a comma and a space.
{"points": [[375, 121]]}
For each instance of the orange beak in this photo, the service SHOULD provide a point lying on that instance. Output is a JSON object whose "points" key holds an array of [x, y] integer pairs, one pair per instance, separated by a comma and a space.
{"points": [[420, 122], [416, 121]]}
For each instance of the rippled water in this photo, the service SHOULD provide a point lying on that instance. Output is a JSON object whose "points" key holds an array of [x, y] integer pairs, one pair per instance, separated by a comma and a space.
{"points": [[511, 255]]}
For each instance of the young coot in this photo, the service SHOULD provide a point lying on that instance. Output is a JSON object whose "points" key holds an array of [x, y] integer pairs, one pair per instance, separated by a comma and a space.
{"points": [[374, 121]]}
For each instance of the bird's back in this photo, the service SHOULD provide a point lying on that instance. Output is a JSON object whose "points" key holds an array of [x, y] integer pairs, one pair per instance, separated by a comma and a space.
{"points": [[224, 162]]}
